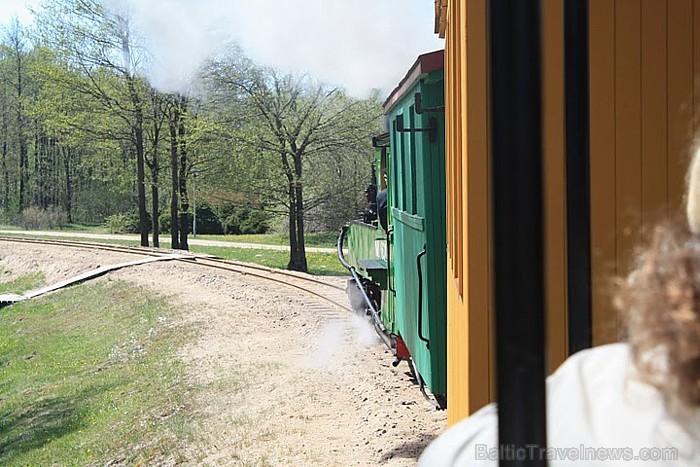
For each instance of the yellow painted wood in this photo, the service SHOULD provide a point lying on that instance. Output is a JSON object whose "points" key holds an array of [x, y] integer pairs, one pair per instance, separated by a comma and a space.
{"points": [[478, 219], [470, 357], [554, 181], [696, 69], [602, 157], [627, 134], [643, 59], [457, 324], [680, 95], [654, 113]]}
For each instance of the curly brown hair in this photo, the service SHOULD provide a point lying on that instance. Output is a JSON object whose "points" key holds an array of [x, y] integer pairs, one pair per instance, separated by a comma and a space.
{"points": [[660, 305]]}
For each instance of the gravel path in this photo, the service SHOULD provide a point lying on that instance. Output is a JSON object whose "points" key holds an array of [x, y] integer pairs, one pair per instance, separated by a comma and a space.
{"points": [[286, 380]]}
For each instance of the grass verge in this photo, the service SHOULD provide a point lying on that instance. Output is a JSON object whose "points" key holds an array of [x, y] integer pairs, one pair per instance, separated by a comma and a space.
{"points": [[88, 376], [324, 264], [22, 284], [323, 240]]}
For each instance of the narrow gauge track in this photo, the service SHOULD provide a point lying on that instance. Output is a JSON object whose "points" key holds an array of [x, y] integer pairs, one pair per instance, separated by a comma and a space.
{"points": [[334, 294]]}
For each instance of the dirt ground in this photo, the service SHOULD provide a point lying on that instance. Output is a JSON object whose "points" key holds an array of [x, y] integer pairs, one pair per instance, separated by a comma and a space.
{"points": [[289, 380]]}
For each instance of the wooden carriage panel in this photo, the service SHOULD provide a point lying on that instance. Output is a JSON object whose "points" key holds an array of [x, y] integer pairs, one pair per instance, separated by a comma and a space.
{"points": [[643, 56], [680, 96], [554, 182]]}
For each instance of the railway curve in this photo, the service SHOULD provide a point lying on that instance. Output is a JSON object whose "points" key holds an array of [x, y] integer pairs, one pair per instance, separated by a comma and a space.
{"points": [[331, 293]]}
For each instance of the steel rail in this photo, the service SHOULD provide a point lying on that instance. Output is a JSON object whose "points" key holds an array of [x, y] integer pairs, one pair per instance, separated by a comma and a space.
{"points": [[219, 263], [159, 252]]}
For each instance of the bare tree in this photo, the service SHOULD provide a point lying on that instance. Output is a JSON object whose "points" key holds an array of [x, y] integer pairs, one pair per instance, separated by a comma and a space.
{"points": [[98, 43], [298, 122], [17, 54]]}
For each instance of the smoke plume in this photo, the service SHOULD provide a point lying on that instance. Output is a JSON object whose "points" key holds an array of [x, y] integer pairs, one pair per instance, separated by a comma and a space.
{"points": [[358, 44]]}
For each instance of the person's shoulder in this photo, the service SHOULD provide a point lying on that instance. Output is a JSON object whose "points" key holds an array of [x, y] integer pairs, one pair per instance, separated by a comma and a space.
{"points": [[604, 359], [473, 442]]}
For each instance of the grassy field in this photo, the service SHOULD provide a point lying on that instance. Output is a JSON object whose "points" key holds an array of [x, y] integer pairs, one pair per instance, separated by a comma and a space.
{"points": [[325, 264], [323, 240], [89, 376], [22, 284]]}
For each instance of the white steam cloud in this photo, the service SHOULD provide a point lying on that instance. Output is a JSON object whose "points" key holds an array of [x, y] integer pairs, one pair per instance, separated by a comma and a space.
{"points": [[327, 353], [357, 44]]}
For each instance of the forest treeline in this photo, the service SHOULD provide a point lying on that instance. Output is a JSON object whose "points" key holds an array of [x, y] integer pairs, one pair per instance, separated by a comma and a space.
{"points": [[86, 137]]}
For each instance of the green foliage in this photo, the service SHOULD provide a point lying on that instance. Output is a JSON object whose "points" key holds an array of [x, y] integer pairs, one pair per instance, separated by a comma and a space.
{"points": [[207, 220], [92, 206], [127, 222], [164, 222], [120, 223], [237, 220], [224, 219], [36, 218], [70, 130], [326, 264], [293, 143]]}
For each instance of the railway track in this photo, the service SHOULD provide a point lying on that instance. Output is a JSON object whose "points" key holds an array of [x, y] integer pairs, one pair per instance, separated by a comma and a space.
{"points": [[323, 290]]}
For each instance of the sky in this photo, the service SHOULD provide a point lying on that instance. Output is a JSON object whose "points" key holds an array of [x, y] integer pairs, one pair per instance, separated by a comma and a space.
{"points": [[356, 44]]}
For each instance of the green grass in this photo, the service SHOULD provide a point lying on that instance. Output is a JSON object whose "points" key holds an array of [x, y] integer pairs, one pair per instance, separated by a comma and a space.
{"points": [[326, 264], [66, 228], [22, 284], [89, 375], [86, 228], [323, 240]]}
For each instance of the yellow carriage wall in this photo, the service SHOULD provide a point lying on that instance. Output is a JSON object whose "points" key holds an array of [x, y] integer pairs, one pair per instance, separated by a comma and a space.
{"points": [[644, 60]]}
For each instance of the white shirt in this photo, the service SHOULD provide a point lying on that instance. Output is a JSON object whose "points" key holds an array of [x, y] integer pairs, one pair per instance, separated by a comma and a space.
{"points": [[598, 414]]}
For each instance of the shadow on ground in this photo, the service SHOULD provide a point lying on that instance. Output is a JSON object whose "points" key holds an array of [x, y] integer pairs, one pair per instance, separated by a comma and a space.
{"points": [[30, 427], [409, 450]]}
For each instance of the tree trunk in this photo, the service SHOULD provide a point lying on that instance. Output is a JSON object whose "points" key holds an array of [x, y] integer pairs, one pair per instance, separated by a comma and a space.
{"points": [[174, 200], [5, 173], [155, 168], [155, 215], [184, 198], [69, 184], [55, 159], [292, 224], [140, 160], [23, 171], [155, 165], [299, 253], [21, 135], [297, 248], [141, 181]]}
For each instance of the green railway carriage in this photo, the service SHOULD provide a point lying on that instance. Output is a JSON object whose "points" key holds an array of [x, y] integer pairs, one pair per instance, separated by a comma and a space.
{"points": [[403, 271]]}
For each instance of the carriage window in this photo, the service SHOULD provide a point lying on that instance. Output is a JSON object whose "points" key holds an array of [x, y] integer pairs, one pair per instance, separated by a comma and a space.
{"points": [[399, 179], [413, 169], [401, 170]]}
